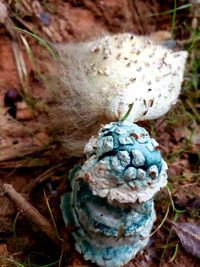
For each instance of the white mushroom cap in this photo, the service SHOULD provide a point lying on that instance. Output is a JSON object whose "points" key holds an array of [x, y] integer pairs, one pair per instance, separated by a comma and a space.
{"points": [[96, 81], [125, 68]]}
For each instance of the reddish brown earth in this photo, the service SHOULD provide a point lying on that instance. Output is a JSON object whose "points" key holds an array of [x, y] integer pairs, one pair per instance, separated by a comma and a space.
{"points": [[31, 156]]}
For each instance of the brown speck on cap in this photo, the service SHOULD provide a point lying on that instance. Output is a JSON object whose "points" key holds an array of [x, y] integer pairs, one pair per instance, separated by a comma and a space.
{"points": [[87, 176], [137, 52], [148, 42], [145, 112], [150, 102], [134, 135], [118, 56], [93, 67], [133, 80], [152, 174], [137, 187], [96, 50], [142, 135], [167, 74], [100, 72]]}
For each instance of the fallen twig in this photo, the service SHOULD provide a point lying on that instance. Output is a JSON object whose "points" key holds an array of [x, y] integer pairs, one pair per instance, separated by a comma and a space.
{"points": [[30, 212]]}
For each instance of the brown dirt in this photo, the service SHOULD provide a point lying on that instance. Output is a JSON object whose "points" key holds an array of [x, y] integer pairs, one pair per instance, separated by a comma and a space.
{"points": [[29, 150]]}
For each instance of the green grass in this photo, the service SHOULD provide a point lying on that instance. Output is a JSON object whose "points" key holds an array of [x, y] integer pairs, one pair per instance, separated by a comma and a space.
{"points": [[41, 41], [172, 11]]}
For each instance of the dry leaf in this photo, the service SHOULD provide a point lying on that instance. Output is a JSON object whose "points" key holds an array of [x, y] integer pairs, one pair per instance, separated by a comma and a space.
{"points": [[189, 234]]}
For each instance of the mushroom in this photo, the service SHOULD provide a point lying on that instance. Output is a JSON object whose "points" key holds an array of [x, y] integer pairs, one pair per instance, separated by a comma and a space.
{"points": [[111, 201], [97, 80]]}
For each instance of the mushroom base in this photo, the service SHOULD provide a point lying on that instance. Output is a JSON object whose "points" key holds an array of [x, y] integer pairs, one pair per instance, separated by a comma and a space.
{"points": [[106, 235]]}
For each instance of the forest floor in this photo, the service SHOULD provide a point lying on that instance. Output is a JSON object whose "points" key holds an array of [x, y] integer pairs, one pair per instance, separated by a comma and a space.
{"points": [[33, 160]]}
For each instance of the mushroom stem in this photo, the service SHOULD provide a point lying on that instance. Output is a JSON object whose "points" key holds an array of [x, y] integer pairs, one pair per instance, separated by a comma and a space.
{"points": [[111, 201]]}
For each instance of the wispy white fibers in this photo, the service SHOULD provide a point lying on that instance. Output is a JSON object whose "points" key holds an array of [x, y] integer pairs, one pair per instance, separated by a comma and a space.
{"points": [[97, 80]]}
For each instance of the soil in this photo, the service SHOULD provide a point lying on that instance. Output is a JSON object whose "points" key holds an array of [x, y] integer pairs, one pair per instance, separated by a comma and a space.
{"points": [[33, 159]]}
